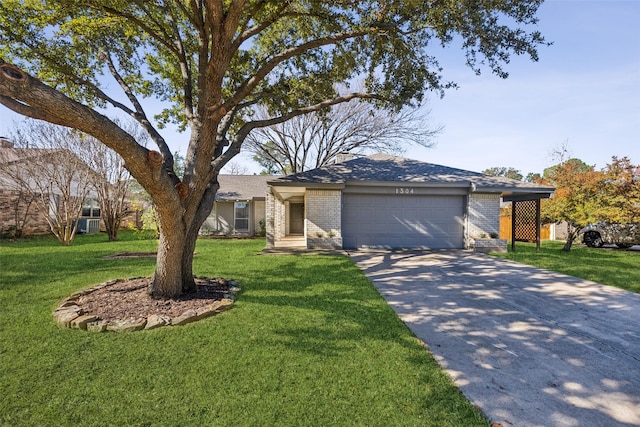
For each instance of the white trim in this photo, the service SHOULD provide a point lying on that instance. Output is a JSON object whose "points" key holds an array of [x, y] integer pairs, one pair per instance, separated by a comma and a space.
{"points": [[246, 206]]}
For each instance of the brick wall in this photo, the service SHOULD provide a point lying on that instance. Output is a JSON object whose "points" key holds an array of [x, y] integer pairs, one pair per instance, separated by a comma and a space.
{"points": [[323, 212], [484, 214], [9, 200], [274, 219], [323, 218]]}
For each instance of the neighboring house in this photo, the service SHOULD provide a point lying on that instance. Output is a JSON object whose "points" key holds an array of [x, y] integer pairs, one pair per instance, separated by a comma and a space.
{"points": [[16, 208], [239, 208], [384, 201]]}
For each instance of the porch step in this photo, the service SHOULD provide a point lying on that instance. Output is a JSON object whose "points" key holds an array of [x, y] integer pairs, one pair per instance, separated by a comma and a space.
{"points": [[291, 242]]}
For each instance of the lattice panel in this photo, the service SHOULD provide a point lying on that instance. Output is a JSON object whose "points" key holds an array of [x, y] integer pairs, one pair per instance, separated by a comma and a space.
{"points": [[526, 224]]}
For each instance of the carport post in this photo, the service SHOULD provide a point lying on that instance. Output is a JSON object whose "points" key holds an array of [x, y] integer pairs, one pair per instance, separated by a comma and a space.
{"points": [[513, 225], [538, 226]]}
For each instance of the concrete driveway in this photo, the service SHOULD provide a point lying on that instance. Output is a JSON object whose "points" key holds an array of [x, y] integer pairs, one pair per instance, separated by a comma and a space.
{"points": [[528, 346]]}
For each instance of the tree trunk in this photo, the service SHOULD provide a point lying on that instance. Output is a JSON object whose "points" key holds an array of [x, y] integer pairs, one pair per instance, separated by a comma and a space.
{"points": [[188, 283], [111, 225], [572, 234], [112, 234], [167, 280], [568, 243], [174, 265]]}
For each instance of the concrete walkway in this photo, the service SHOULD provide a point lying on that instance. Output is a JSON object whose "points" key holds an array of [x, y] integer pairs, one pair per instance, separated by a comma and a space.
{"points": [[528, 346]]}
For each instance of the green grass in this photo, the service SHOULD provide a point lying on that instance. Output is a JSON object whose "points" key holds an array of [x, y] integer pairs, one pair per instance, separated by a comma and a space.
{"points": [[619, 268], [309, 342]]}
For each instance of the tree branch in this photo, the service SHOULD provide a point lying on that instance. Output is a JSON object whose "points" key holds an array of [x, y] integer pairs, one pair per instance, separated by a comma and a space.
{"points": [[30, 93], [155, 35], [140, 115], [309, 109], [251, 83], [243, 132], [24, 109], [257, 29]]}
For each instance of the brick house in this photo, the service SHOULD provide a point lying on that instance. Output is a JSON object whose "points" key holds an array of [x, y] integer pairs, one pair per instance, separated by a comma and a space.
{"points": [[16, 208], [384, 201]]}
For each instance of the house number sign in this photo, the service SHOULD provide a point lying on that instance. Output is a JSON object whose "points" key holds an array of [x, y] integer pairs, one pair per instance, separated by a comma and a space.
{"points": [[402, 190]]}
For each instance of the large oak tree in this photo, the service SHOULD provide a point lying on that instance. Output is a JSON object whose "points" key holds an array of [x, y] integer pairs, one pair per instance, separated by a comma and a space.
{"points": [[212, 61]]}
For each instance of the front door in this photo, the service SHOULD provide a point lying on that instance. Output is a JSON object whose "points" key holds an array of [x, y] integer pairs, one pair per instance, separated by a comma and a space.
{"points": [[296, 218]]}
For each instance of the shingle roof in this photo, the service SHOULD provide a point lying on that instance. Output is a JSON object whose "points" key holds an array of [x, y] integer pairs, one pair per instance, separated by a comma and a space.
{"points": [[242, 187], [387, 168]]}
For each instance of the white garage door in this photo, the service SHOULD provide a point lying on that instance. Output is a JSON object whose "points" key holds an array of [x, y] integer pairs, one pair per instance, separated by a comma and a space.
{"points": [[402, 221]]}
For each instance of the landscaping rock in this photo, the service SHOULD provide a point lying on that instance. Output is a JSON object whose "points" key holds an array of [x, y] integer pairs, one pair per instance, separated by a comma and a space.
{"points": [[97, 326], [155, 321], [224, 304], [80, 322], [63, 317], [186, 317], [127, 325], [208, 310], [69, 302]]}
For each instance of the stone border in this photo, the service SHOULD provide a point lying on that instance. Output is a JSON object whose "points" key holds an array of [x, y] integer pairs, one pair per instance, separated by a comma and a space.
{"points": [[70, 315]]}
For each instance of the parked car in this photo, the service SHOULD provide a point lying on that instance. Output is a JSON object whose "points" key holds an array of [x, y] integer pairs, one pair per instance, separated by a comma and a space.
{"points": [[621, 235]]}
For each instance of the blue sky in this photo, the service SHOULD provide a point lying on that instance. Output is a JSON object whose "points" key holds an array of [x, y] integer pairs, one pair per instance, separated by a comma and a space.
{"points": [[584, 91]]}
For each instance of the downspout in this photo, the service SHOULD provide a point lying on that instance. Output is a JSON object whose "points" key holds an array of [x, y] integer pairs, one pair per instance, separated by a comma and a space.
{"points": [[467, 225]]}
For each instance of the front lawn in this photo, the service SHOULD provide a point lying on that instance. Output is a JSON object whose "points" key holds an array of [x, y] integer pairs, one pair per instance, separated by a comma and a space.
{"points": [[614, 267], [309, 342]]}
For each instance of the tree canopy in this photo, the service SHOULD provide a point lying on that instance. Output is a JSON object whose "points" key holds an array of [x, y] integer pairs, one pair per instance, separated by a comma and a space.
{"points": [[211, 61]]}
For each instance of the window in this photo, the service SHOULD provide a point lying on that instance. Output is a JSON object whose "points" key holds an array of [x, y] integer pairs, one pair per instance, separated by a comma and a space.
{"points": [[241, 216], [90, 208]]}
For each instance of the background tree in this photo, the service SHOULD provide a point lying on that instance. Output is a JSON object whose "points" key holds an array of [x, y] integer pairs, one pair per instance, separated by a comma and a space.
{"points": [[270, 157], [575, 199], [533, 177], [505, 172], [620, 198], [21, 205], [110, 179], [315, 139], [48, 171], [179, 164], [212, 61], [584, 195], [572, 164], [235, 168]]}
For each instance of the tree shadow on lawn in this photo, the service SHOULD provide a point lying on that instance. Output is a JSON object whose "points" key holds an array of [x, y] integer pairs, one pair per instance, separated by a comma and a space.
{"points": [[42, 269], [324, 309]]}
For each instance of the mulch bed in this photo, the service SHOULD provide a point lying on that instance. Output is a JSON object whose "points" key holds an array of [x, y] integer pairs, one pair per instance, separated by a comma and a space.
{"points": [[130, 298]]}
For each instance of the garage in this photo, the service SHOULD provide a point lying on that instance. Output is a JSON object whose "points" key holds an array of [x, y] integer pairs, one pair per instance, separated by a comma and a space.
{"points": [[403, 221]]}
